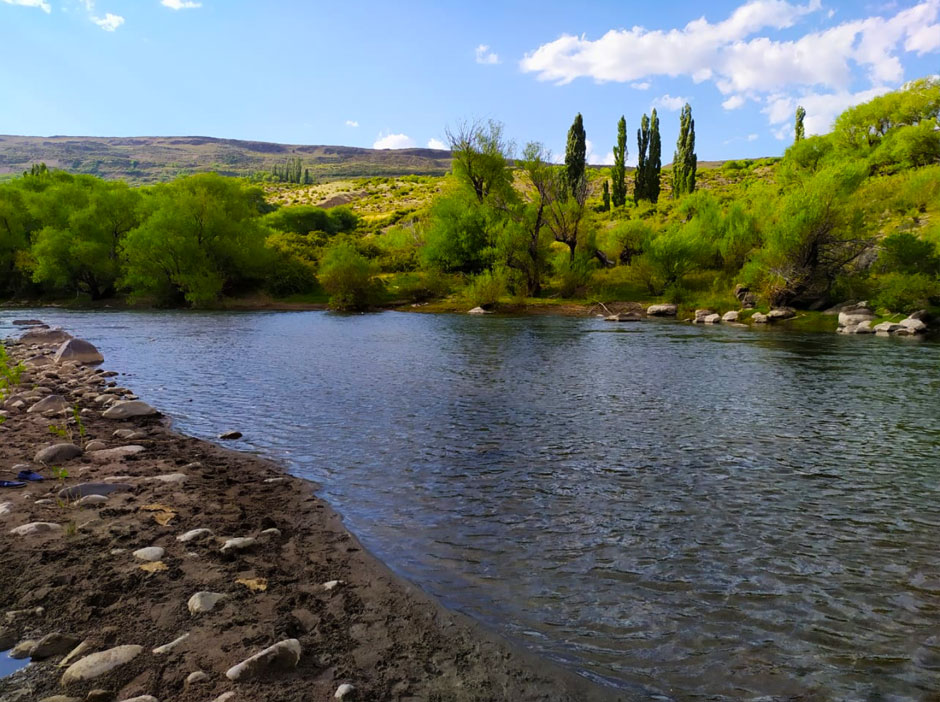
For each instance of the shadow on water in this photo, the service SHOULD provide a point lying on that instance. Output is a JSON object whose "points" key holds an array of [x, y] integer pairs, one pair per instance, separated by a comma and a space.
{"points": [[693, 512]]}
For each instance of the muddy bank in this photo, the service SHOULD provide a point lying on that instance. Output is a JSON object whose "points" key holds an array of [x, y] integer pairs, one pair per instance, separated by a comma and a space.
{"points": [[103, 568]]}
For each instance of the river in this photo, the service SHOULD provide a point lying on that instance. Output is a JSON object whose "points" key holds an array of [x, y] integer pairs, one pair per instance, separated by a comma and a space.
{"points": [[677, 511]]}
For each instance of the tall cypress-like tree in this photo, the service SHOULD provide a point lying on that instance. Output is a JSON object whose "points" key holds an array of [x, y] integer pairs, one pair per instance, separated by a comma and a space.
{"points": [[606, 197], [575, 153], [654, 162], [640, 187], [800, 131], [618, 171], [685, 161]]}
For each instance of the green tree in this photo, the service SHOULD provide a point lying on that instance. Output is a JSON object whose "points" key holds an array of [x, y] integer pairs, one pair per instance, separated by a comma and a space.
{"points": [[685, 162], [641, 175], [480, 156], [605, 196], [458, 239], [202, 237], [800, 130], [654, 160], [618, 172], [575, 154], [348, 277]]}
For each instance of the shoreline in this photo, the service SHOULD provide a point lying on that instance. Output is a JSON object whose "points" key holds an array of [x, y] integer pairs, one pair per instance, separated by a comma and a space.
{"points": [[302, 576]]}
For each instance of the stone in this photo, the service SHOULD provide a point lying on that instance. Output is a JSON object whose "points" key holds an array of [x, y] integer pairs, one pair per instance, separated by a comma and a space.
{"points": [[58, 453], [196, 676], [166, 648], [123, 433], [92, 500], [759, 318], [75, 654], [863, 328], [230, 435], [15, 614], [95, 445], [141, 698], [922, 315], [22, 649], [45, 336], [779, 313], [241, 543], [700, 316], [6, 508], [479, 310], [225, 697], [624, 317], [28, 323], [85, 489], [855, 316], [203, 602], [730, 316], [332, 584], [915, 326], [886, 328], [60, 698], [50, 403], [7, 639], [79, 351], [171, 478], [712, 319], [665, 310], [54, 644], [115, 454], [98, 664], [151, 553], [343, 690], [270, 533], [283, 655], [129, 410], [100, 695], [194, 534], [36, 528]]}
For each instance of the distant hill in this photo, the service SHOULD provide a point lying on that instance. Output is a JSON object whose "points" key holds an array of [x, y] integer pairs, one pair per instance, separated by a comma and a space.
{"points": [[154, 159]]}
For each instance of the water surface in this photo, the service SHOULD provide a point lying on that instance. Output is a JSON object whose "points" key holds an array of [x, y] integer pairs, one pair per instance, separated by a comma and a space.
{"points": [[680, 512]]}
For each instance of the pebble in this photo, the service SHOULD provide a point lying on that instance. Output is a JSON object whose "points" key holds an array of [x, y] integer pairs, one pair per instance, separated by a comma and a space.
{"points": [[129, 410], [34, 528], [50, 403], [271, 532], [166, 648], [6, 508], [230, 435], [85, 489], [343, 690], [20, 613], [122, 433], [174, 478], [332, 584], [54, 644], [274, 480], [74, 654], [225, 697], [283, 655], [115, 454], [57, 453], [97, 664], [142, 698], [92, 500], [240, 543], [196, 677], [60, 698], [22, 649], [151, 553], [203, 602], [194, 534], [95, 446]]}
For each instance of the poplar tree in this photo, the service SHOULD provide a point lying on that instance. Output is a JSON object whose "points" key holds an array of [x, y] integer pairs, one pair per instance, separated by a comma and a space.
{"points": [[654, 160], [800, 116], [575, 153], [606, 197], [685, 161], [640, 188], [618, 172]]}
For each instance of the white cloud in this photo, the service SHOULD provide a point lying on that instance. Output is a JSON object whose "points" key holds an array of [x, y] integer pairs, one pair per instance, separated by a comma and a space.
{"points": [[821, 109], [352, 123], [393, 141], [180, 4], [41, 4], [641, 85], [668, 102], [485, 56], [733, 102], [592, 157], [109, 22], [437, 144], [752, 137]]}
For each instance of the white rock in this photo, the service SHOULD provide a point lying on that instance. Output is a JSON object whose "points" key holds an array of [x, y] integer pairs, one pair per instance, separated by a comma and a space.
{"points": [[270, 532], [196, 677], [166, 648], [203, 602], [283, 655], [332, 584], [479, 310], [666, 310], [115, 454], [6, 508], [342, 691], [225, 697], [142, 698], [174, 478], [74, 654], [887, 328], [240, 543], [34, 528], [730, 316], [151, 553], [194, 534], [759, 318], [915, 326], [712, 319], [98, 664], [92, 500]]}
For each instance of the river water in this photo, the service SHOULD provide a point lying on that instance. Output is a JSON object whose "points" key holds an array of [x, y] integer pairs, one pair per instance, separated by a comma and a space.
{"points": [[676, 511]]}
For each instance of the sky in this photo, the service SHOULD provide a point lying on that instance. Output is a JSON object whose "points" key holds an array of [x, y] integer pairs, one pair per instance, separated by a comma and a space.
{"points": [[392, 75]]}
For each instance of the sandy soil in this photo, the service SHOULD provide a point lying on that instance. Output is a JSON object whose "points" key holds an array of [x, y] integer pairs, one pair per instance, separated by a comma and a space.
{"points": [[371, 629]]}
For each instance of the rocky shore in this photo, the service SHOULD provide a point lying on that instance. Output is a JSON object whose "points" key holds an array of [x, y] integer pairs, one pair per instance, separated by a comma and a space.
{"points": [[150, 566]]}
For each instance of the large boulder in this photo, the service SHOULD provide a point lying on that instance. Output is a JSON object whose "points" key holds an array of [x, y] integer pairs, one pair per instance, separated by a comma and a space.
{"points": [[282, 656], [712, 319], [664, 310], [886, 328], [700, 316], [779, 313], [78, 350], [730, 316], [914, 326], [58, 453], [759, 318], [45, 336], [98, 664], [129, 410]]}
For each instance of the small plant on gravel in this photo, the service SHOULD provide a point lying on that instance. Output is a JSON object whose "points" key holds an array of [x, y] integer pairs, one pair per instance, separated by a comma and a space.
{"points": [[10, 375], [79, 424]]}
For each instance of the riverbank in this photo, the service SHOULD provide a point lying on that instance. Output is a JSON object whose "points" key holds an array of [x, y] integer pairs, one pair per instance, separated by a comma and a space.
{"points": [[110, 572]]}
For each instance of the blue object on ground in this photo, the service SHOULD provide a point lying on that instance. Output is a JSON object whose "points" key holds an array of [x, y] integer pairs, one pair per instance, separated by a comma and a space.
{"points": [[11, 484], [29, 475]]}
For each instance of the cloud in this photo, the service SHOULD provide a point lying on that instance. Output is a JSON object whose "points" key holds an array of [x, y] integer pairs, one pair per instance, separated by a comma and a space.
{"points": [[393, 141], [180, 4], [352, 123], [641, 85], [593, 158], [668, 102], [485, 56], [41, 4], [437, 144], [109, 22], [733, 102], [752, 137], [821, 109]]}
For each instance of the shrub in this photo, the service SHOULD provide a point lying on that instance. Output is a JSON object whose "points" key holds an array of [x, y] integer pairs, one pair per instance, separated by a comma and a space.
{"points": [[485, 289], [905, 253], [348, 277], [901, 292]]}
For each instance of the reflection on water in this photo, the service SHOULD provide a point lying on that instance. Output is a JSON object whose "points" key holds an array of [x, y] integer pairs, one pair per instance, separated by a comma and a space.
{"points": [[688, 512]]}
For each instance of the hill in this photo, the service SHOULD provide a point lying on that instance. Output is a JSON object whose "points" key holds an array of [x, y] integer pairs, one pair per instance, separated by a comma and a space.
{"points": [[142, 160]]}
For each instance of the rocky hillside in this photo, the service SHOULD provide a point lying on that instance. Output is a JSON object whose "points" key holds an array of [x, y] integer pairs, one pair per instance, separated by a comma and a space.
{"points": [[153, 159]]}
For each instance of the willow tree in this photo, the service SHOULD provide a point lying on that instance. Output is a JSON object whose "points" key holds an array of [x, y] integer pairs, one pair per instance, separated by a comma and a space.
{"points": [[618, 172], [685, 161]]}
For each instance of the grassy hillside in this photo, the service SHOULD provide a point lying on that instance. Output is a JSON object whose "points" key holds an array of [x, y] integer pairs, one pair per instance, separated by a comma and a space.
{"points": [[142, 160]]}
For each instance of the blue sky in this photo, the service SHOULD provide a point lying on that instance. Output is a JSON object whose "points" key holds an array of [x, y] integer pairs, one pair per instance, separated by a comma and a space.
{"points": [[396, 74]]}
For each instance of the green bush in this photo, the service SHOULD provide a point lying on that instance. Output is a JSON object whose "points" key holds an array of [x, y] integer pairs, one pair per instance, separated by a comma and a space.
{"points": [[905, 253], [485, 289], [900, 292], [348, 277]]}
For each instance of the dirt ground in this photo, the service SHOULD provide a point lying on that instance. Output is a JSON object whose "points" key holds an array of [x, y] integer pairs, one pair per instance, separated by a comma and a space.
{"points": [[370, 629]]}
